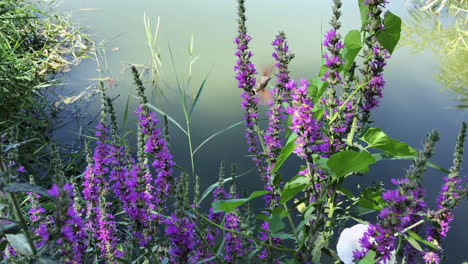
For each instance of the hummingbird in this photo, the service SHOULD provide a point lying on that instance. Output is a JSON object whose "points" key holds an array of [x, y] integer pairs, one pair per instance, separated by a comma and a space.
{"points": [[260, 90], [264, 79]]}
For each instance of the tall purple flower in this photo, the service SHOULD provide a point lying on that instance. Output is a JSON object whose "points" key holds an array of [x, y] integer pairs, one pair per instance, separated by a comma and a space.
{"points": [[245, 71], [234, 246], [180, 231], [309, 139], [73, 241], [133, 187], [452, 191], [276, 113], [100, 223], [405, 207], [374, 61], [156, 145]]}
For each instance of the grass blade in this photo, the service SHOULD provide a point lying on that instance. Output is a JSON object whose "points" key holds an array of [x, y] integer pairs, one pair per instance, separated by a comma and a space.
{"points": [[217, 133], [200, 90], [168, 117]]}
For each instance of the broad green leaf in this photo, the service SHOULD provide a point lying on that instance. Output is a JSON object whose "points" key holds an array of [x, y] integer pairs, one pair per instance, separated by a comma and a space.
{"points": [[229, 205], [385, 156], [376, 138], [3, 206], [26, 187], [345, 162], [414, 243], [390, 35], [276, 221], [352, 47], [20, 244], [44, 260], [282, 235], [285, 152], [371, 198], [369, 259], [420, 239], [293, 187], [364, 10], [345, 191], [13, 228]]}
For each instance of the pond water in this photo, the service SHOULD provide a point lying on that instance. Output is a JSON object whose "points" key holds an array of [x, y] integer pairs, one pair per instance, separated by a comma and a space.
{"points": [[414, 102]]}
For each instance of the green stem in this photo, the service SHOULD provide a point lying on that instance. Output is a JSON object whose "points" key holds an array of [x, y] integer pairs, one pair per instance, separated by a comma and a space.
{"points": [[346, 101], [20, 217]]}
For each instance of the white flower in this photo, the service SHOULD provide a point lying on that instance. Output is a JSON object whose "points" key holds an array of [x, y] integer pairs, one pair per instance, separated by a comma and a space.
{"points": [[349, 242]]}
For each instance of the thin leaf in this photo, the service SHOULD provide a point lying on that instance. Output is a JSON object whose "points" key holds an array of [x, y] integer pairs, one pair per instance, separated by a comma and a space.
{"points": [[215, 134], [197, 97], [229, 205], [168, 117], [285, 152]]}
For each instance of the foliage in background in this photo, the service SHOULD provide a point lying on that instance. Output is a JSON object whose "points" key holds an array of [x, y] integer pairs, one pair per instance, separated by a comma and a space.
{"points": [[441, 27], [34, 46]]}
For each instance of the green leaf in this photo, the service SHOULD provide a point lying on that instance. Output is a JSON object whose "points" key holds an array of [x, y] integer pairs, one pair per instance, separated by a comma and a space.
{"points": [[13, 228], [414, 243], [385, 156], [376, 138], [345, 162], [418, 238], [364, 10], [371, 198], [216, 184], [168, 117], [276, 220], [197, 97], [352, 47], [282, 235], [20, 244], [229, 205], [285, 152], [3, 206], [44, 260], [26, 187], [369, 259], [293, 187], [390, 35]]}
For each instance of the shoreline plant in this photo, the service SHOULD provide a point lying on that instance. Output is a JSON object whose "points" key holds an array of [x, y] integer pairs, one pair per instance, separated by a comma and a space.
{"points": [[135, 207]]}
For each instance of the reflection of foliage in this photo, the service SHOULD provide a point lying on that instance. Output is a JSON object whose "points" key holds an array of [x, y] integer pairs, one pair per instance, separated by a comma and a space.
{"points": [[441, 27]]}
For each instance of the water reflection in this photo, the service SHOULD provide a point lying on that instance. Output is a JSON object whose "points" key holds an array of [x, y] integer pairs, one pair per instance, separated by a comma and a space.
{"points": [[442, 30]]}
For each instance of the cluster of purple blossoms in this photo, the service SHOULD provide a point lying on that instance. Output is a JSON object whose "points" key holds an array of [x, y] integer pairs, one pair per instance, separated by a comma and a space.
{"points": [[99, 222], [156, 146], [265, 235], [450, 192], [180, 231], [310, 138], [276, 113], [332, 59], [373, 91], [282, 56], [405, 206], [234, 246], [244, 68], [132, 185], [74, 239]]}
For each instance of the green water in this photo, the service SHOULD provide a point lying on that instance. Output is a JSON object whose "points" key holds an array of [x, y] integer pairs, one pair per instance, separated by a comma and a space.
{"points": [[414, 102]]}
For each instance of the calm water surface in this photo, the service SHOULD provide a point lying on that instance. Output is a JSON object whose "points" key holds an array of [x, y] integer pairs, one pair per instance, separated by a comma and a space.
{"points": [[413, 104]]}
